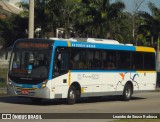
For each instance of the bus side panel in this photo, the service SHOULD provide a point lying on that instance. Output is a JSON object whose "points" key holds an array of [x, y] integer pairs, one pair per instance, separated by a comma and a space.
{"points": [[60, 86], [101, 83], [146, 80], [97, 83], [111, 80]]}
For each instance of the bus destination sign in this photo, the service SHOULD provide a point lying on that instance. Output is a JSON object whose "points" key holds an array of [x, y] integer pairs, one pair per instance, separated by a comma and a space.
{"points": [[32, 45]]}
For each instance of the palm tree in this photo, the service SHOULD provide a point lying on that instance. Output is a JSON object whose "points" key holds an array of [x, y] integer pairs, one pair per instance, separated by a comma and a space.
{"points": [[150, 25], [123, 28], [62, 14], [98, 18], [41, 16]]}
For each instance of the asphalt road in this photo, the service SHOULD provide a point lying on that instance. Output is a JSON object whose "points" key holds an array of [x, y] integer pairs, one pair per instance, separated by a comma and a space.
{"points": [[140, 103]]}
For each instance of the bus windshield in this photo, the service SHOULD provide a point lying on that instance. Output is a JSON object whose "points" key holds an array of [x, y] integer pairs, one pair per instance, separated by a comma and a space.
{"points": [[30, 62]]}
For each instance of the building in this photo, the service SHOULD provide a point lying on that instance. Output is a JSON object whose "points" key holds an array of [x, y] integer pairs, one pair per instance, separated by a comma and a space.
{"points": [[7, 8], [13, 2]]}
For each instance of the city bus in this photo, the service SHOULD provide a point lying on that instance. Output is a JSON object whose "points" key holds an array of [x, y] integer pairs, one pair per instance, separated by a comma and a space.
{"points": [[74, 68]]}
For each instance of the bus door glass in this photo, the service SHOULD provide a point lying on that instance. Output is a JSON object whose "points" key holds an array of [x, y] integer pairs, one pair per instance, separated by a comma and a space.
{"points": [[61, 65]]}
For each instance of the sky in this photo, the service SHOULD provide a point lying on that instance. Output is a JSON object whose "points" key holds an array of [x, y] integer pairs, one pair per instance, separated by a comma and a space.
{"points": [[130, 4]]}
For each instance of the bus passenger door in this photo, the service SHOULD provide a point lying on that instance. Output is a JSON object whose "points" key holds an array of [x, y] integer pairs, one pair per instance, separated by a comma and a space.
{"points": [[60, 70]]}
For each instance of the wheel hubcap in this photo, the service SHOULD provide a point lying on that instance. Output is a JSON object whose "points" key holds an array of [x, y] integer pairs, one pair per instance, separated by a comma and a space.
{"points": [[72, 95], [128, 92]]}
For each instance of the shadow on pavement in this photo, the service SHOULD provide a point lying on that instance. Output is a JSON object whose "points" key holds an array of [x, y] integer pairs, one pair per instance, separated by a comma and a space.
{"points": [[47, 102]]}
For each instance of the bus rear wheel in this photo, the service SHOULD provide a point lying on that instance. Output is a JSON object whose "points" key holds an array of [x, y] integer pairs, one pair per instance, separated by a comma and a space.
{"points": [[127, 92], [72, 95]]}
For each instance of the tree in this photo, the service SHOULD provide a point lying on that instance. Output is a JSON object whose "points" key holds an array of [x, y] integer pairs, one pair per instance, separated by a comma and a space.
{"points": [[137, 5], [62, 14], [150, 26], [25, 7], [13, 28], [98, 18], [123, 28], [41, 15]]}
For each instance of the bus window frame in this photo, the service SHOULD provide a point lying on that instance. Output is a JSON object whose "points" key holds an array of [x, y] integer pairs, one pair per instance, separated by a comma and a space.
{"points": [[57, 71]]}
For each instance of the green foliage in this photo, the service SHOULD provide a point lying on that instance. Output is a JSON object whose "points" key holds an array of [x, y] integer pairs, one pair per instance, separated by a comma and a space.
{"points": [[41, 16], [150, 27], [3, 74], [87, 18], [98, 18], [13, 28], [62, 14]]}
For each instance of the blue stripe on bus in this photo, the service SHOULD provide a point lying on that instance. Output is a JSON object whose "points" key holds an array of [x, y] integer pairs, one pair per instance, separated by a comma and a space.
{"points": [[102, 46], [27, 85], [51, 65], [116, 47], [94, 45], [60, 43]]}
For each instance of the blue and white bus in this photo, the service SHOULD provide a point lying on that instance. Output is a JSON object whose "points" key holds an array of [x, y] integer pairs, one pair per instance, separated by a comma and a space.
{"points": [[51, 69]]}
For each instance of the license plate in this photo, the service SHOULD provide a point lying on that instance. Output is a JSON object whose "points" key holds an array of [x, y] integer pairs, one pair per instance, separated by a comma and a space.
{"points": [[25, 92]]}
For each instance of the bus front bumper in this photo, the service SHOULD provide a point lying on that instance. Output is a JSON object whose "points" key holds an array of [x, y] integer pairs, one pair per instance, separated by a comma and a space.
{"points": [[24, 92]]}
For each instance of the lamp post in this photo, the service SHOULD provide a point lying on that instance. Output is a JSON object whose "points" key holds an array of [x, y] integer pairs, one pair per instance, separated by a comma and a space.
{"points": [[31, 19]]}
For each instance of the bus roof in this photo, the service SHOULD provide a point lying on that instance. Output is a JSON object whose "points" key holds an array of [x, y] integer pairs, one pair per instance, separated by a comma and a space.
{"points": [[104, 44], [95, 43], [92, 40]]}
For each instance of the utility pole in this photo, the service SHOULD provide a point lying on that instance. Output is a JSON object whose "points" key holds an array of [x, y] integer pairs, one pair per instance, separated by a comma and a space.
{"points": [[31, 19], [137, 4]]}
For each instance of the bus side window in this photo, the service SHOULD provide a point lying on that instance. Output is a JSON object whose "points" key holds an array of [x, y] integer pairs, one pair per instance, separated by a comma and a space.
{"points": [[137, 61], [75, 58], [124, 60], [109, 60], [96, 63]]}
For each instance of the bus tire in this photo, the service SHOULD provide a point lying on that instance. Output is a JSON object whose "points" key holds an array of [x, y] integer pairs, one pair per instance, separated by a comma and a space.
{"points": [[127, 92], [72, 95]]}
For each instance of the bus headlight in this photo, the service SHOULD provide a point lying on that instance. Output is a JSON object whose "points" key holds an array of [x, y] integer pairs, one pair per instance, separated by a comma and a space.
{"points": [[44, 84]]}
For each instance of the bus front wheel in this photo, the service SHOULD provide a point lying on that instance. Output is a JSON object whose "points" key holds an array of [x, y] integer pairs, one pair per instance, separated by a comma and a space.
{"points": [[72, 95], [127, 93]]}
